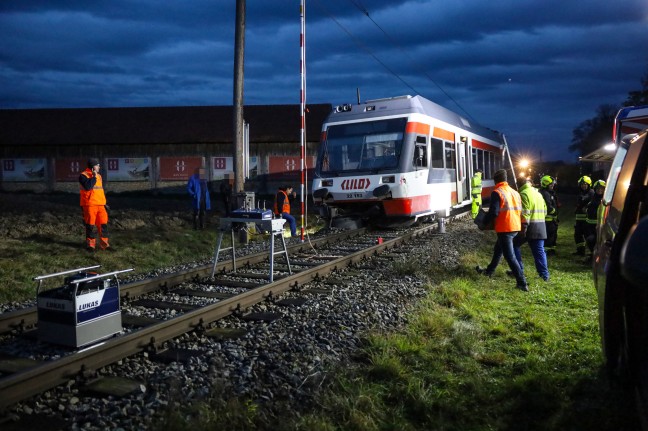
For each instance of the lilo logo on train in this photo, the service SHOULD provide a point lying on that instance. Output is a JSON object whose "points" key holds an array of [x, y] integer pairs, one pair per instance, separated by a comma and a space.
{"points": [[400, 160]]}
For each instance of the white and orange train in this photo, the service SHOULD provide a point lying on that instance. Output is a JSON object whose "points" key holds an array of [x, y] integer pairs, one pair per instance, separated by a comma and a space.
{"points": [[401, 159]]}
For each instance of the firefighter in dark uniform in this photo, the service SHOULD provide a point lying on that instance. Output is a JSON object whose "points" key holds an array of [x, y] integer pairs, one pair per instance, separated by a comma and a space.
{"points": [[547, 184], [580, 228], [592, 215]]}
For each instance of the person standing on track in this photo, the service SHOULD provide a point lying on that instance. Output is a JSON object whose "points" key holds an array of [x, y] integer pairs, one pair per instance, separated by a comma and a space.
{"points": [[505, 211], [476, 191], [93, 204], [282, 207]]}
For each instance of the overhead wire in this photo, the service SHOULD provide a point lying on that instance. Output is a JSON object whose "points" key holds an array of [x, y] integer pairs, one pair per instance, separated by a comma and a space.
{"points": [[365, 48], [365, 12]]}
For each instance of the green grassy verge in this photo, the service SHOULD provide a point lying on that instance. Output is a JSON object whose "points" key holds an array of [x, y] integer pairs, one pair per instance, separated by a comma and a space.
{"points": [[477, 355], [480, 355], [142, 249]]}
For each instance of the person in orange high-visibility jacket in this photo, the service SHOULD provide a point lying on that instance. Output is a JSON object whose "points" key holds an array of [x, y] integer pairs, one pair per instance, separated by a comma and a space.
{"points": [[93, 204], [282, 207], [505, 211]]}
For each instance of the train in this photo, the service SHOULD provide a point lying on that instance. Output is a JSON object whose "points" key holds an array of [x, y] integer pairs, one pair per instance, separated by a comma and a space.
{"points": [[401, 160]]}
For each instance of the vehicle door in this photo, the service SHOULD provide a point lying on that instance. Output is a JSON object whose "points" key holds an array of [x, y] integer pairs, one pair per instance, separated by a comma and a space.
{"points": [[613, 203]]}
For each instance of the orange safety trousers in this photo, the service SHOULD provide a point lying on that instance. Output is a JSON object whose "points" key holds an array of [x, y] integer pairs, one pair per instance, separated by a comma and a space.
{"points": [[96, 215]]}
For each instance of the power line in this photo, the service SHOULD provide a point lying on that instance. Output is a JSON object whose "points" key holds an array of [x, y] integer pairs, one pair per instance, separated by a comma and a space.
{"points": [[365, 12], [365, 48]]}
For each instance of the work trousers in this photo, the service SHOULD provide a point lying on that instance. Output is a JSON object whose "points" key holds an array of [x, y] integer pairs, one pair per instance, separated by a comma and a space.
{"points": [[539, 256], [580, 230], [552, 235], [504, 247], [291, 221]]}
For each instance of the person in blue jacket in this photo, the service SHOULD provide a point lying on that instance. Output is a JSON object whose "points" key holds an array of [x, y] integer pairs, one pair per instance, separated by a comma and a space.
{"points": [[199, 192]]}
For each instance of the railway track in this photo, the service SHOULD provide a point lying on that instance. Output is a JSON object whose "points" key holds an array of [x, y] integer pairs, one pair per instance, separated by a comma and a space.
{"points": [[40, 377]]}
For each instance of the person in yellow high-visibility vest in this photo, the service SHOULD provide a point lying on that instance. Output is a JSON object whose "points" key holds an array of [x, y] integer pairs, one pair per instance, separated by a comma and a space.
{"points": [[475, 192]]}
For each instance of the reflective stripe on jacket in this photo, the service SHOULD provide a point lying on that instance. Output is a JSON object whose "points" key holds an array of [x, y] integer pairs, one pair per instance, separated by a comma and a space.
{"points": [[476, 185], [593, 209], [94, 196], [534, 211], [508, 219], [285, 208]]}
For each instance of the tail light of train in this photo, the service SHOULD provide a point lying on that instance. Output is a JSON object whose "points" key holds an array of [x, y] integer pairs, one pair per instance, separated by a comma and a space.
{"points": [[327, 183], [388, 179]]}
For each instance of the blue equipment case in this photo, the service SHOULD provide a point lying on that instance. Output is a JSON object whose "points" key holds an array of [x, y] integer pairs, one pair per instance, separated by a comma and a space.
{"points": [[84, 310], [252, 214]]}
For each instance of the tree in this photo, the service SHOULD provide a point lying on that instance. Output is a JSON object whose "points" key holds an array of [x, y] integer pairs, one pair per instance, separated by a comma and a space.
{"points": [[640, 97], [594, 133]]}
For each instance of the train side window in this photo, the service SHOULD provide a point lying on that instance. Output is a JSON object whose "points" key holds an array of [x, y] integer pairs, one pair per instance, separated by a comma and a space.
{"points": [[420, 152], [487, 165], [437, 153], [450, 158], [474, 159]]}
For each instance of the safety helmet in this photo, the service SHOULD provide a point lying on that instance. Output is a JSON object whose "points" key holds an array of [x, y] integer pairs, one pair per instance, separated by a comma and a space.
{"points": [[585, 179], [546, 180], [599, 183]]}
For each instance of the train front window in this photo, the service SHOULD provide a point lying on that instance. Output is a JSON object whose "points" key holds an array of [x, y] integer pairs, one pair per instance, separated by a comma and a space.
{"points": [[367, 145]]}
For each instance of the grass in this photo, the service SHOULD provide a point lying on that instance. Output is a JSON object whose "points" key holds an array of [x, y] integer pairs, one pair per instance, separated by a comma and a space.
{"points": [[480, 355], [477, 354], [145, 249], [142, 249]]}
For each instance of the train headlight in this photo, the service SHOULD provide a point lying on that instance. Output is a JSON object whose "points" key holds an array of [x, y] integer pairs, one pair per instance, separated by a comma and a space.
{"points": [[343, 108], [388, 179], [327, 183]]}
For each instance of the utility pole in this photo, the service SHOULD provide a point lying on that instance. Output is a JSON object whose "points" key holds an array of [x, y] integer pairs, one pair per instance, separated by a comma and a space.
{"points": [[239, 51], [239, 56]]}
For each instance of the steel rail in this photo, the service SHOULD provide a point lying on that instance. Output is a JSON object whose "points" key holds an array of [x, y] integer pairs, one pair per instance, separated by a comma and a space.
{"points": [[26, 318], [32, 381]]}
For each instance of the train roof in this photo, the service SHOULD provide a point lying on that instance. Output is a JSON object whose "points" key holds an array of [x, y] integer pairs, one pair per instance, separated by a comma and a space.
{"points": [[402, 105]]}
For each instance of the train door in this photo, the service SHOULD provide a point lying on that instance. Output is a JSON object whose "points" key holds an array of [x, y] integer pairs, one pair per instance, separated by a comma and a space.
{"points": [[462, 192], [469, 167]]}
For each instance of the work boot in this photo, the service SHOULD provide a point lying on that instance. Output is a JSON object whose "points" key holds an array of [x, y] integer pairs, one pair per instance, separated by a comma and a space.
{"points": [[580, 251], [483, 271], [103, 243], [90, 244], [522, 287]]}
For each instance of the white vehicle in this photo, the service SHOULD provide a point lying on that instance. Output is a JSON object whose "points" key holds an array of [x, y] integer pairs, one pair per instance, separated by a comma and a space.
{"points": [[401, 159]]}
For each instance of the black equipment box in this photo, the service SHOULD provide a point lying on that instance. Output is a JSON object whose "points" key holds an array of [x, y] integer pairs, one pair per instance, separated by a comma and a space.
{"points": [[84, 310]]}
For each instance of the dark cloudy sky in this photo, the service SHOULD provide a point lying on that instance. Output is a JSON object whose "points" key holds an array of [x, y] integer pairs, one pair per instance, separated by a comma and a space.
{"points": [[532, 69]]}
